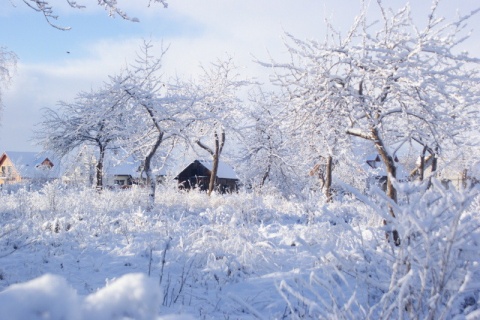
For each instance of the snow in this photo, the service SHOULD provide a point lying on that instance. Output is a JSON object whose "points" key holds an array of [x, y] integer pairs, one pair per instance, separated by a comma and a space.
{"points": [[47, 297], [224, 169], [126, 167], [279, 251], [70, 253], [133, 296]]}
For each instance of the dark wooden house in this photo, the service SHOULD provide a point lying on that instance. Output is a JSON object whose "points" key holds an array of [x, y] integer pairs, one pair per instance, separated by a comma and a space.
{"points": [[198, 173]]}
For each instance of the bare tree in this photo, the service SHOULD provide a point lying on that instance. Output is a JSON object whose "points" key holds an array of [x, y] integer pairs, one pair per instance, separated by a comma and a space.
{"points": [[159, 110], [47, 9], [267, 157], [217, 110], [94, 119], [316, 111]]}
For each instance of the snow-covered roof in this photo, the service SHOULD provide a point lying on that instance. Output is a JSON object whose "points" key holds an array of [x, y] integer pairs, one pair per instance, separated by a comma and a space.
{"points": [[224, 170], [125, 168], [406, 148], [28, 164], [131, 166]]}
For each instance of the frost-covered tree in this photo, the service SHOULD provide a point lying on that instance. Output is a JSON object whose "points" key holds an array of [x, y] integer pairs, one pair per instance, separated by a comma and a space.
{"points": [[94, 119], [432, 275], [267, 158], [47, 9], [315, 124], [160, 110], [8, 61], [387, 81], [315, 112], [218, 110]]}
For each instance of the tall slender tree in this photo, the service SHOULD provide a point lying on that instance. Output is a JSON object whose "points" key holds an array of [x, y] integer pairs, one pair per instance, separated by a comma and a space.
{"points": [[218, 110], [159, 110]]}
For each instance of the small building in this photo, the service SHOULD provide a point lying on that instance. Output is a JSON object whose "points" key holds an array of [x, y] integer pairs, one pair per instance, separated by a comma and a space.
{"points": [[128, 172], [406, 157], [123, 175], [23, 167], [461, 173], [198, 173]]}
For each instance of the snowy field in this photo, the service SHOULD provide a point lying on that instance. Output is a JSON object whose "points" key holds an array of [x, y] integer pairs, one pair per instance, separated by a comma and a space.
{"points": [[80, 254]]}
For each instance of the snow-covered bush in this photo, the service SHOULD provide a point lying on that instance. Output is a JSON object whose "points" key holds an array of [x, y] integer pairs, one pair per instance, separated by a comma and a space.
{"points": [[248, 254], [436, 270], [433, 274]]}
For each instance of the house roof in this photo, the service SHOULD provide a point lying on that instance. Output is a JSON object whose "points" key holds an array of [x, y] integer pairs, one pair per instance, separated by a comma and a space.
{"points": [[407, 148], [224, 171], [132, 167], [126, 167], [28, 164]]}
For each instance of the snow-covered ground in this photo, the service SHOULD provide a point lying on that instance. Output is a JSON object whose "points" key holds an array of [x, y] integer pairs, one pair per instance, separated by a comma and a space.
{"points": [[80, 254]]}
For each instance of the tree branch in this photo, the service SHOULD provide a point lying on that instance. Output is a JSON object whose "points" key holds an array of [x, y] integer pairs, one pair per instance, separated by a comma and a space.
{"points": [[205, 147]]}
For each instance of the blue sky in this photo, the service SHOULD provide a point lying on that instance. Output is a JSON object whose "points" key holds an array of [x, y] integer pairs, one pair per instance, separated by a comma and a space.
{"points": [[35, 41], [196, 31]]}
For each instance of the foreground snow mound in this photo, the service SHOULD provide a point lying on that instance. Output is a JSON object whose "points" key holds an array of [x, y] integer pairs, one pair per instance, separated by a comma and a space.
{"points": [[133, 296], [47, 297]]}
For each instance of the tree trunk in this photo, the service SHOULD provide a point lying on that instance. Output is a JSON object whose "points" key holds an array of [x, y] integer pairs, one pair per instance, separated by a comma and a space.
{"points": [[266, 175], [421, 168], [391, 174], [328, 179], [151, 180], [389, 166], [464, 178], [434, 163], [213, 175], [99, 168], [219, 143], [433, 166]]}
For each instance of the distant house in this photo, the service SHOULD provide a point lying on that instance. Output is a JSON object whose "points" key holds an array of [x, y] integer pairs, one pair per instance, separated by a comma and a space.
{"points": [[22, 167], [406, 156], [460, 173], [128, 172], [198, 173], [124, 174]]}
